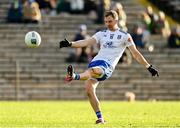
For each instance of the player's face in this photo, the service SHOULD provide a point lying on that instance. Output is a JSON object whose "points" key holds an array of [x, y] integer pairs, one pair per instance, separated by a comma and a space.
{"points": [[110, 22]]}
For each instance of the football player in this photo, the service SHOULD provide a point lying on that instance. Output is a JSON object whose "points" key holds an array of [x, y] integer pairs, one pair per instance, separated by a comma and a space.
{"points": [[113, 41]]}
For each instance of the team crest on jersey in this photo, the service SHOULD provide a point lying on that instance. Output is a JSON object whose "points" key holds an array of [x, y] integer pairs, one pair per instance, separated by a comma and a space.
{"points": [[108, 44]]}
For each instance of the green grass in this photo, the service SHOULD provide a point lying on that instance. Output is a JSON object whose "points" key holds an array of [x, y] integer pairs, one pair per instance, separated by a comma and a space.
{"points": [[78, 114]]}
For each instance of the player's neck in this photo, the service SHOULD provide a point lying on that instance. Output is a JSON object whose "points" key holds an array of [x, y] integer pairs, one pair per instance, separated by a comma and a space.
{"points": [[114, 28]]}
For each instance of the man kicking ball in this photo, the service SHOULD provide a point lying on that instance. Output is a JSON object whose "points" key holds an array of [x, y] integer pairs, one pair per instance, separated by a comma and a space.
{"points": [[113, 41]]}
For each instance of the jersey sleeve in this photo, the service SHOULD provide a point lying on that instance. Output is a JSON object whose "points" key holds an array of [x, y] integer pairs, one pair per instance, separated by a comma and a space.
{"points": [[97, 37], [129, 41]]}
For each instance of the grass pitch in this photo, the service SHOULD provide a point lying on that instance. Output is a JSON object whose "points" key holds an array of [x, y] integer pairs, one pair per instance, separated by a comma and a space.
{"points": [[79, 114]]}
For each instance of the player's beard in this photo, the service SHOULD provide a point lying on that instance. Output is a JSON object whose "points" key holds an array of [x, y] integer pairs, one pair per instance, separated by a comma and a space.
{"points": [[110, 27]]}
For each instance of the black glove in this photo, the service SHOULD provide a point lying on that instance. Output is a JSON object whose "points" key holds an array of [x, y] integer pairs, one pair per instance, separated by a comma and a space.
{"points": [[64, 43], [153, 71]]}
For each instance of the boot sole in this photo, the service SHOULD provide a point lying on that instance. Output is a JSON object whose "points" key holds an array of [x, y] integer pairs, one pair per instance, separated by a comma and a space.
{"points": [[70, 70]]}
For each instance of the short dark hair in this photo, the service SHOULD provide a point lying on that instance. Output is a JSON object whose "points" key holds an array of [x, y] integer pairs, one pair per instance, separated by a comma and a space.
{"points": [[111, 13]]}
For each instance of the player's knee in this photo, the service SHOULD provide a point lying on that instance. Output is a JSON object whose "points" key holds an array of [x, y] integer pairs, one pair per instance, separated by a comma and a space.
{"points": [[96, 72], [89, 89]]}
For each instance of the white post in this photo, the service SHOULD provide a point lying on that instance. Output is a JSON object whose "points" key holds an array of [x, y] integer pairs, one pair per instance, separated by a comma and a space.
{"points": [[17, 81]]}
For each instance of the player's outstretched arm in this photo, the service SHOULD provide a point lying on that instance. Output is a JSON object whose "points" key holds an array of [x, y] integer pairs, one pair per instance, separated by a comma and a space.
{"points": [[138, 56], [77, 44]]}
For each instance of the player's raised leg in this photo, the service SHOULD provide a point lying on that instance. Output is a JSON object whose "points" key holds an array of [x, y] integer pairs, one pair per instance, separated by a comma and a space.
{"points": [[94, 72]]}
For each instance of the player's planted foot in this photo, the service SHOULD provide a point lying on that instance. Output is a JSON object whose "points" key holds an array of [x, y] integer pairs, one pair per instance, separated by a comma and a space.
{"points": [[100, 121], [70, 72]]}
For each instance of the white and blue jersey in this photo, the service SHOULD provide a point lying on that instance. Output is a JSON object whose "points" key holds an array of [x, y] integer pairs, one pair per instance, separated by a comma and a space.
{"points": [[112, 46]]}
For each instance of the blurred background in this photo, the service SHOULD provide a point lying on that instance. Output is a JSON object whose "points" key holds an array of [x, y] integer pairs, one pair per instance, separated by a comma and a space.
{"points": [[38, 73]]}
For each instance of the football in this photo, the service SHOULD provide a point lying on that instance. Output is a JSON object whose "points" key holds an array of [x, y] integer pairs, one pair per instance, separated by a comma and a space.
{"points": [[33, 39]]}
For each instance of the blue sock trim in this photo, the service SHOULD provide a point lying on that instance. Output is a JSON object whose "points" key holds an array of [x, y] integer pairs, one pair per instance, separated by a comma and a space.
{"points": [[98, 114], [77, 77]]}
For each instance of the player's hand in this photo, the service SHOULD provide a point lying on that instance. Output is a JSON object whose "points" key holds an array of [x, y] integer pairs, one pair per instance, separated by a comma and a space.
{"points": [[64, 43], [153, 71]]}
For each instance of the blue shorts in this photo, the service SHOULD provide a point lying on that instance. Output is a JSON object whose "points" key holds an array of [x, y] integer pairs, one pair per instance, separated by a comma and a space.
{"points": [[107, 68]]}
